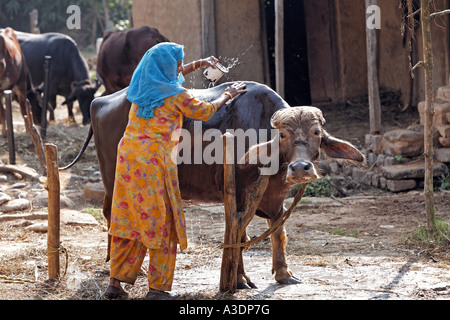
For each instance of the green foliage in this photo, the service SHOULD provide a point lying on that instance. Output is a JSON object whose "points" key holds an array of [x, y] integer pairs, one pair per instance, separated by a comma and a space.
{"points": [[445, 183], [95, 212], [316, 188], [398, 158], [319, 188], [53, 16], [424, 236], [342, 232]]}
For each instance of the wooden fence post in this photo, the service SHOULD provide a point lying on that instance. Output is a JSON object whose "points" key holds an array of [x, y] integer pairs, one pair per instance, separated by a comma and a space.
{"points": [[53, 188], [372, 76], [230, 256], [235, 222], [9, 125], [279, 47], [46, 88]]}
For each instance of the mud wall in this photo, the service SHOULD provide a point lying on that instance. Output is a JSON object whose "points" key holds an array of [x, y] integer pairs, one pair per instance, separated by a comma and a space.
{"points": [[237, 32], [336, 43]]}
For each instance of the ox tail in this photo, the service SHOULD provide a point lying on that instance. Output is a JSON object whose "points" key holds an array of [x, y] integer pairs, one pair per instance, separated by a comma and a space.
{"points": [[83, 148]]}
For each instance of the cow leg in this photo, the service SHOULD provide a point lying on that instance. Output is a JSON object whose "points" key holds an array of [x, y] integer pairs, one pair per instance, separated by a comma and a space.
{"points": [[107, 202], [279, 266], [70, 111], [52, 100], [243, 281]]}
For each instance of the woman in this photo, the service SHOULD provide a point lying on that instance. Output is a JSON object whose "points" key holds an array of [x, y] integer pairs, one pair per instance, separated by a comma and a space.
{"points": [[147, 212]]}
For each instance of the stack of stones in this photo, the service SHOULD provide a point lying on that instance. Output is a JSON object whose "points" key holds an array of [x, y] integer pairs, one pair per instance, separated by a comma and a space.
{"points": [[396, 159], [441, 121]]}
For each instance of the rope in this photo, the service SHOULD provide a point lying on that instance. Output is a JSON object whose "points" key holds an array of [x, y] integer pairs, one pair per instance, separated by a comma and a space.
{"points": [[274, 227], [7, 279], [61, 249]]}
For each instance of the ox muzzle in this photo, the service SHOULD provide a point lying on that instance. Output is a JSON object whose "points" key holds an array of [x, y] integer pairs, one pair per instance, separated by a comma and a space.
{"points": [[301, 171]]}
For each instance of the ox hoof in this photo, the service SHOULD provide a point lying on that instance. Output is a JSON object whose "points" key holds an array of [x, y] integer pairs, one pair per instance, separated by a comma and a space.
{"points": [[246, 285], [289, 280]]}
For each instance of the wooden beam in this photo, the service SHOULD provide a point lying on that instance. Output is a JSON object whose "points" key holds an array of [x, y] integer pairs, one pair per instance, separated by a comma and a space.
{"points": [[208, 28], [279, 47], [372, 77]]}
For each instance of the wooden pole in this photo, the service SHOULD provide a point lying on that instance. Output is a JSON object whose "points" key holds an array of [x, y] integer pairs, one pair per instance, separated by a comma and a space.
{"points": [[53, 188], [235, 222], [279, 47], [208, 28], [429, 114], [372, 76], [208, 31], [46, 88], [9, 125], [35, 136], [230, 256]]}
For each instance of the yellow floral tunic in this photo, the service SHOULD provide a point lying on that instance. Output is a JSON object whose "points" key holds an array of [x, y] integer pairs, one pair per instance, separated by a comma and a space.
{"points": [[146, 199]]}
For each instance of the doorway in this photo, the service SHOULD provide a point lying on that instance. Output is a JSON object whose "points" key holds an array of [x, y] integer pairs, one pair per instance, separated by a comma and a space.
{"points": [[297, 83]]}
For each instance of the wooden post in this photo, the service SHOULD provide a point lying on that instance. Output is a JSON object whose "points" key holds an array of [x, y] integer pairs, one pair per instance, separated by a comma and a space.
{"points": [[53, 188], [235, 222], [9, 125], [208, 31], [372, 76], [279, 47], [208, 28], [429, 114], [46, 88], [35, 136], [230, 257]]}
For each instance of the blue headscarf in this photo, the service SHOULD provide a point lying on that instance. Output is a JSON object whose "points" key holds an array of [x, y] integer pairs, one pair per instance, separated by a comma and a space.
{"points": [[156, 78]]}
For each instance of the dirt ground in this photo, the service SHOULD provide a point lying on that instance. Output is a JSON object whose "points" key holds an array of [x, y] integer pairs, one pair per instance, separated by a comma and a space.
{"points": [[371, 259]]}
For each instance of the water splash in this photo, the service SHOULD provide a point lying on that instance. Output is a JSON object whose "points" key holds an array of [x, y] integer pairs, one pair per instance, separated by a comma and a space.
{"points": [[230, 63]]}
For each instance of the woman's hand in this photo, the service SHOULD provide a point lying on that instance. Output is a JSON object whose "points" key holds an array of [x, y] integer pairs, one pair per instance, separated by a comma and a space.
{"points": [[230, 92], [195, 65], [236, 88], [209, 62]]}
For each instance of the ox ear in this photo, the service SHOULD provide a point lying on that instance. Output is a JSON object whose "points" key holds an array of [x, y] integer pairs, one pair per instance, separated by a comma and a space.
{"points": [[340, 149]]}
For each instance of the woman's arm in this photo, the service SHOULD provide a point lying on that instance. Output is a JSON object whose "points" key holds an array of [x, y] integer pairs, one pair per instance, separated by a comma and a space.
{"points": [[202, 63], [230, 92], [194, 108]]}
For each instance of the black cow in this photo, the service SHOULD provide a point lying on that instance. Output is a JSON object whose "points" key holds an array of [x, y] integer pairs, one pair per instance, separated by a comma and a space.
{"points": [[69, 73]]}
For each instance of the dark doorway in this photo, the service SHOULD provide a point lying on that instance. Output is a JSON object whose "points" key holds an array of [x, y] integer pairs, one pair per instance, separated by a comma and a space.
{"points": [[297, 86]]}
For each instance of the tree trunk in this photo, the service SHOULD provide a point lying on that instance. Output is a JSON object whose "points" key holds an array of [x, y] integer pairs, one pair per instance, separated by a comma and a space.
{"points": [[429, 112]]}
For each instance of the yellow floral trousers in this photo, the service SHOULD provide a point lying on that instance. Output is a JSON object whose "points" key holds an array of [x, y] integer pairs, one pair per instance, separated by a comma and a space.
{"points": [[128, 255]]}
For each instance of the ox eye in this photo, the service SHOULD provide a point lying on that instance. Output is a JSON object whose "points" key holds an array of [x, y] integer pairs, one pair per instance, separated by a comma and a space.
{"points": [[282, 135], [317, 133]]}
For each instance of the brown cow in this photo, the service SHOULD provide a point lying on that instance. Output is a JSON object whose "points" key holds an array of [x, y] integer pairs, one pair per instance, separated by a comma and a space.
{"points": [[120, 53], [299, 140], [14, 76]]}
